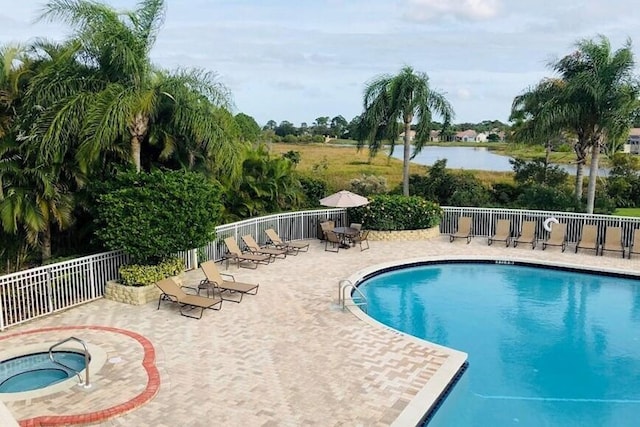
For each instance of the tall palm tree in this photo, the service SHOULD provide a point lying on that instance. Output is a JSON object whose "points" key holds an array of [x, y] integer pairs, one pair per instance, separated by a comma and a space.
{"points": [[121, 96], [391, 103], [593, 97]]}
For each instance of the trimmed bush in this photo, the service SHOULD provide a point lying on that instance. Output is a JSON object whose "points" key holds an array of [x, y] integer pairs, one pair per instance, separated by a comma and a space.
{"points": [[153, 216], [368, 185], [143, 275], [396, 212]]}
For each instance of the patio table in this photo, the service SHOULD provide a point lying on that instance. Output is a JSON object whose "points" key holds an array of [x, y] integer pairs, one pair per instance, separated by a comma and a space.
{"points": [[345, 233]]}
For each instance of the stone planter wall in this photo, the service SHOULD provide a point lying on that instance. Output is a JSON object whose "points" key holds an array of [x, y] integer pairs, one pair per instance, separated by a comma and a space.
{"points": [[136, 295], [423, 234]]}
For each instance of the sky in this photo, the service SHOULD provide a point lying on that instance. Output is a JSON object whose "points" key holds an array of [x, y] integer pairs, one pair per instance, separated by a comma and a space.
{"points": [[298, 60]]}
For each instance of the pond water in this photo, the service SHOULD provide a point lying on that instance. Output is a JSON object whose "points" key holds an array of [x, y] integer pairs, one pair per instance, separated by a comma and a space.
{"points": [[473, 158]]}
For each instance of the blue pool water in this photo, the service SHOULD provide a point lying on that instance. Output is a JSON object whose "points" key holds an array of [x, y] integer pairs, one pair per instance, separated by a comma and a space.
{"points": [[34, 371], [546, 347]]}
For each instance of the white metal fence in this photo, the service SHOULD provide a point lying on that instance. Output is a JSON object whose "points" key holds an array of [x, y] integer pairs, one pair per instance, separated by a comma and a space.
{"points": [[40, 291], [484, 222]]}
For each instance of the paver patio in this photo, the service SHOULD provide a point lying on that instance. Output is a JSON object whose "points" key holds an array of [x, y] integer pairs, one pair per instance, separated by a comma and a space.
{"points": [[288, 356]]}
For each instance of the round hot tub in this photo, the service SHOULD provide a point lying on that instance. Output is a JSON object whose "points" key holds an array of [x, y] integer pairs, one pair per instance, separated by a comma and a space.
{"points": [[37, 370]]}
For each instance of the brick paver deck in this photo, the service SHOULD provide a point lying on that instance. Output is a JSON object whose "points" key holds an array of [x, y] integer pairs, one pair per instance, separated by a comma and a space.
{"points": [[285, 357]]}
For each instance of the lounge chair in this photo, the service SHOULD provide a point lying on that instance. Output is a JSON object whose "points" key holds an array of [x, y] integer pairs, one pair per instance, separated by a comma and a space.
{"points": [[331, 238], [255, 248], [293, 247], [527, 234], [558, 237], [634, 247], [464, 229], [327, 226], [503, 232], [613, 241], [214, 280], [363, 237], [236, 255], [174, 293], [589, 238]]}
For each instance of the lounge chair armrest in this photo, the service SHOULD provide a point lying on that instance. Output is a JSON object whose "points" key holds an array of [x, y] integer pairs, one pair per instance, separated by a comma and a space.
{"points": [[233, 279], [195, 291]]}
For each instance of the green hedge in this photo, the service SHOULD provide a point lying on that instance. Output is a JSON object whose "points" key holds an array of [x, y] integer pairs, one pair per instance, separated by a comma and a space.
{"points": [[142, 275], [153, 216], [396, 212]]}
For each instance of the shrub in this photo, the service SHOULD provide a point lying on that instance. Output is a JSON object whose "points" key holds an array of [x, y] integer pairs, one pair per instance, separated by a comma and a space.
{"points": [[314, 189], [142, 275], [396, 212], [537, 171], [368, 185], [152, 216], [542, 197]]}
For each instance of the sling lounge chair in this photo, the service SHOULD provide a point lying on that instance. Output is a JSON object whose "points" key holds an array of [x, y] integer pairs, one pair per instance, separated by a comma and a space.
{"points": [[255, 248], [464, 229], [236, 255], [613, 240], [293, 247], [558, 237], [527, 234], [589, 238], [174, 293], [214, 280], [331, 238], [362, 237], [634, 248], [503, 232]]}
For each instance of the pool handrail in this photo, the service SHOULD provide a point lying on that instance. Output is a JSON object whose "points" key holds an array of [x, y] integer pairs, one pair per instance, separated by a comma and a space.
{"points": [[87, 358]]}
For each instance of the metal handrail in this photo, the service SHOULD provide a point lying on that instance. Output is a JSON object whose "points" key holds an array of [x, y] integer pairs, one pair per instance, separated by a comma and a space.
{"points": [[87, 358], [345, 284]]}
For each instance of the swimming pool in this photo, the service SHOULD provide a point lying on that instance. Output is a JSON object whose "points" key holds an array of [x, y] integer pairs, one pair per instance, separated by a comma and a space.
{"points": [[547, 347], [35, 371]]}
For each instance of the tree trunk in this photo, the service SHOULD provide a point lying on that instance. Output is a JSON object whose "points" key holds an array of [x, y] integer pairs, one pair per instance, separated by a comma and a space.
{"points": [[581, 157], [135, 153], [406, 158], [46, 243], [138, 130], [593, 176]]}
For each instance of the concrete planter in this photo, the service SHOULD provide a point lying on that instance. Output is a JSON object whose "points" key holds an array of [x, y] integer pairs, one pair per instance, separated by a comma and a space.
{"points": [[135, 295], [423, 234]]}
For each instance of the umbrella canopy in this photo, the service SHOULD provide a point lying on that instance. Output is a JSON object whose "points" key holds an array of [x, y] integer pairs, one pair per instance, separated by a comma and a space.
{"points": [[344, 199]]}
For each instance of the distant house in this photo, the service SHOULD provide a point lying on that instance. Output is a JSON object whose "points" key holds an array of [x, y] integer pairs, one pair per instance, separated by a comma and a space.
{"points": [[434, 135], [481, 137], [412, 135], [468, 135], [633, 141]]}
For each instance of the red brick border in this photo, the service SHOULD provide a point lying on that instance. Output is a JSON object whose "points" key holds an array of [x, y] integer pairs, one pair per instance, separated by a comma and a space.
{"points": [[148, 362]]}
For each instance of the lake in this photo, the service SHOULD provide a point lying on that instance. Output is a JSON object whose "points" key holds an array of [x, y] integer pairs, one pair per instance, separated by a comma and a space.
{"points": [[473, 158]]}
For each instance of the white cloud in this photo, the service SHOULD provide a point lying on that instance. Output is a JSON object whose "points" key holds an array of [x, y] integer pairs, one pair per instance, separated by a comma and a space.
{"points": [[476, 10], [463, 93]]}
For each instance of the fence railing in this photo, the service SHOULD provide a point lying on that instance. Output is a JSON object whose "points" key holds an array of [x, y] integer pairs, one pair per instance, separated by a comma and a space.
{"points": [[484, 222], [40, 291]]}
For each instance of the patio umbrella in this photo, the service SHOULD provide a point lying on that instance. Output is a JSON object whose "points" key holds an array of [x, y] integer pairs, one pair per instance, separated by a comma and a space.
{"points": [[344, 199]]}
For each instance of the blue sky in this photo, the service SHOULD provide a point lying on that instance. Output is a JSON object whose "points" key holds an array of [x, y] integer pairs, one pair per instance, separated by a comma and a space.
{"points": [[297, 60]]}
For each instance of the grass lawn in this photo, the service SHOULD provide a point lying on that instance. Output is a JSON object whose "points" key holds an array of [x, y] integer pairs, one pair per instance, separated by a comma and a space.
{"points": [[627, 212], [340, 164]]}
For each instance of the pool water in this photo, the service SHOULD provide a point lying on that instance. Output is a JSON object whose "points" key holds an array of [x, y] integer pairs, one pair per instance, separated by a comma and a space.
{"points": [[546, 347], [35, 371]]}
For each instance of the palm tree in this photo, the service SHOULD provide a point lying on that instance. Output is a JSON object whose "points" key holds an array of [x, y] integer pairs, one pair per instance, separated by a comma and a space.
{"points": [[593, 97], [392, 103], [118, 96]]}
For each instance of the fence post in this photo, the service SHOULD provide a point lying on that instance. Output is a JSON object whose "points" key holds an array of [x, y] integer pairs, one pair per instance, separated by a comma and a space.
{"points": [[92, 277]]}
